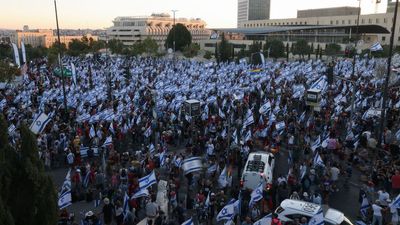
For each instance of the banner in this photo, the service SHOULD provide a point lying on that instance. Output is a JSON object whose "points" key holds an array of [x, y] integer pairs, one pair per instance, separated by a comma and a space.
{"points": [[23, 52], [16, 54]]}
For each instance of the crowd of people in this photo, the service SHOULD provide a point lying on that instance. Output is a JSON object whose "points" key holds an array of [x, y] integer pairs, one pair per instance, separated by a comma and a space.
{"points": [[125, 118]]}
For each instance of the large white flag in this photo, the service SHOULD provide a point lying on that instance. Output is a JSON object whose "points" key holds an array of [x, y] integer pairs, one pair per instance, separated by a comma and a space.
{"points": [[229, 210], [223, 178], [65, 197], [376, 47], [192, 165], [265, 108], [40, 123], [23, 52], [73, 70], [16, 54], [256, 195]]}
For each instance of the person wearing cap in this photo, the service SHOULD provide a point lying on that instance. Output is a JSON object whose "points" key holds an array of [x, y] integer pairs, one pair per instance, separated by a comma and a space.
{"points": [[91, 219]]}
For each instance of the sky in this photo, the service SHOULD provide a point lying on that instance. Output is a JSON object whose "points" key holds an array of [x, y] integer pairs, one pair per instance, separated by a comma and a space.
{"points": [[98, 14]]}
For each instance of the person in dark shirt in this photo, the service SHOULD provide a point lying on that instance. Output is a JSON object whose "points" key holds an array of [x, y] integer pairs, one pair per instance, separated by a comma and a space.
{"points": [[107, 211]]}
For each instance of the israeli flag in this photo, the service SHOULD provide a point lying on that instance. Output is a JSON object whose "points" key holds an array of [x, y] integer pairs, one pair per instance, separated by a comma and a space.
{"points": [[248, 136], [163, 158], [92, 132], [223, 178], [147, 133], [40, 123], [318, 160], [249, 119], [86, 180], [108, 141], [256, 195], [265, 220], [376, 47], [83, 151], [152, 149], [235, 137], [280, 126], [395, 203], [207, 203], [302, 117], [223, 133], [178, 162], [320, 84], [147, 180], [192, 165], [188, 222], [204, 116], [229, 210], [316, 143], [111, 128], [211, 169], [264, 109], [65, 197], [73, 70], [317, 219], [141, 193], [11, 129], [264, 132], [126, 204], [365, 206], [221, 114]]}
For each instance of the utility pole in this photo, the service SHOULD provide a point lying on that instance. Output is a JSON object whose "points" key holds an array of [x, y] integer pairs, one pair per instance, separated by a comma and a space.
{"points": [[60, 64], [385, 90]]}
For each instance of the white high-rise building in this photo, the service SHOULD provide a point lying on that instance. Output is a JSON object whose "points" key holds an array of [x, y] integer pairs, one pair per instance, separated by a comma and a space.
{"points": [[253, 10], [134, 29]]}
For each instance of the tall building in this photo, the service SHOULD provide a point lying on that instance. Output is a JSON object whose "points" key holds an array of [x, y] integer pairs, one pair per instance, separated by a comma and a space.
{"points": [[253, 10], [157, 26]]}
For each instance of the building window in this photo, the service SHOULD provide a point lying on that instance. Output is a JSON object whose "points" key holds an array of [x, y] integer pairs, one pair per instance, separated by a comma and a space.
{"points": [[349, 22], [305, 23], [264, 24], [398, 38], [362, 21], [383, 38], [369, 21], [331, 22], [342, 21], [377, 20], [384, 20]]}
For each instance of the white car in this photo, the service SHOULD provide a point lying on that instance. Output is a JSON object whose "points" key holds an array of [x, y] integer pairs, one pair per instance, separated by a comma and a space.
{"points": [[258, 169], [290, 210]]}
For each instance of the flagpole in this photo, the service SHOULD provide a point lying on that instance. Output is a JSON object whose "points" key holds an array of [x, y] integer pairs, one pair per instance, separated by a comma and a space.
{"points": [[60, 63], [385, 90]]}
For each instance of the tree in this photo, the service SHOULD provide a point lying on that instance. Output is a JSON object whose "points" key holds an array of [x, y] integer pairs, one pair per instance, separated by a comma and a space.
{"points": [[224, 49], [6, 52], [27, 194], [34, 53], [116, 46], [150, 46], [95, 46], [181, 35], [52, 53], [207, 55], [301, 48], [332, 49], [191, 50], [276, 49], [255, 47], [7, 71], [77, 47]]}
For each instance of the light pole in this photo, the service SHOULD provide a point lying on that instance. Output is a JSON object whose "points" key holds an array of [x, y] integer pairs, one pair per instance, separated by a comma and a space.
{"points": [[174, 11], [60, 63], [385, 90]]}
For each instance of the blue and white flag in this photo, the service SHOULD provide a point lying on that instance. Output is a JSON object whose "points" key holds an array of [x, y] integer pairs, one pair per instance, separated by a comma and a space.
{"points": [[235, 137], [163, 158], [248, 136], [147, 133], [364, 207], [264, 109], [96, 203], [280, 126], [396, 202], [147, 180], [316, 144], [223, 178], [141, 193], [108, 141], [152, 149], [126, 204], [111, 128], [207, 203], [188, 222], [92, 132], [265, 220], [65, 197], [249, 119], [223, 133], [320, 84], [221, 113], [40, 123], [83, 151], [73, 70], [256, 195], [11, 129], [264, 132], [86, 180], [229, 210], [317, 219], [211, 169], [192, 165], [376, 47], [318, 160]]}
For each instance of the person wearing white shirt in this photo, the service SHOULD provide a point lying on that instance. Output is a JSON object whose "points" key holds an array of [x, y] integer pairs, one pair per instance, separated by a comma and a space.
{"points": [[383, 196], [377, 213], [395, 215]]}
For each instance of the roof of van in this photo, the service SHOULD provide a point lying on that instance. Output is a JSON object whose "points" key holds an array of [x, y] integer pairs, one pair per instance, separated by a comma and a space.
{"points": [[311, 209], [264, 155]]}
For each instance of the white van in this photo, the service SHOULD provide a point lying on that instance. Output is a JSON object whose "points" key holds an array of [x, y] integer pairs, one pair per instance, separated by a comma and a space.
{"points": [[290, 210], [258, 169]]}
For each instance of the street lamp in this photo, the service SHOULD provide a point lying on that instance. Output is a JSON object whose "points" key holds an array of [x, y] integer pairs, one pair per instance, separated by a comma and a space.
{"points": [[174, 11], [60, 63], [385, 90]]}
